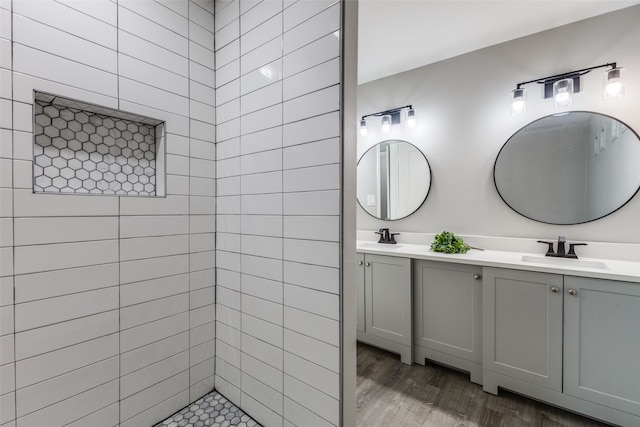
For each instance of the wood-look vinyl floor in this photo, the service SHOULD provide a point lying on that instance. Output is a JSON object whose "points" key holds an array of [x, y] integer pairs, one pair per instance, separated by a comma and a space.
{"points": [[391, 394]]}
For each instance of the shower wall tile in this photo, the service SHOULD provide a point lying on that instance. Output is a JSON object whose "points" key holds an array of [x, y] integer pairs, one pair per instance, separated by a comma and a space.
{"points": [[28, 204], [112, 296], [226, 35], [41, 313], [138, 70], [24, 85], [317, 26], [298, 12], [51, 67], [323, 406], [46, 393], [267, 53], [150, 416], [313, 350], [201, 76], [57, 42], [308, 372], [262, 98], [53, 337], [37, 231], [150, 96], [71, 20], [143, 25], [261, 412], [6, 114], [49, 365], [311, 55], [103, 10], [5, 81], [312, 104], [74, 408], [32, 259], [7, 321], [202, 225], [139, 48], [227, 14], [284, 227], [267, 30], [200, 35], [146, 226], [315, 153], [150, 355], [144, 378], [202, 130], [316, 78], [300, 415], [146, 399]]}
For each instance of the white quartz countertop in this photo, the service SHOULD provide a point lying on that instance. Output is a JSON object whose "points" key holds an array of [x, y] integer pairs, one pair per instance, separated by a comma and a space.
{"points": [[584, 267]]}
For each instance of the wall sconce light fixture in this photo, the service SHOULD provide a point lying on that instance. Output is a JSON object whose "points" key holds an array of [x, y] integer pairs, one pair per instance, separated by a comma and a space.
{"points": [[613, 83], [389, 118], [363, 128], [562, 87]]}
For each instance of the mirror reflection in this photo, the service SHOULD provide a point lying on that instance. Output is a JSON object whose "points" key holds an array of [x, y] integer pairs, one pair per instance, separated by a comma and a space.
{"points": [[393, 180], [569, 168]]}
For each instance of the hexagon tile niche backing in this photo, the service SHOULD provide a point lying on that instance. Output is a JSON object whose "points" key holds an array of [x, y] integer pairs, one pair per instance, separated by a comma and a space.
{"points": [[83, 148]]}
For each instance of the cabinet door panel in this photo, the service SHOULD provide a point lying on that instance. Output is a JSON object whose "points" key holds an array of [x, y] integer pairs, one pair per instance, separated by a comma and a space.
{"points": [[522, 325], [360, 308], [602, 342], [388, 297], [448, 308]]}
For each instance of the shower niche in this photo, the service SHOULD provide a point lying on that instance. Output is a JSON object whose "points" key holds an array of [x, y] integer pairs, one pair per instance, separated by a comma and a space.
{"points": [[82, 148]]}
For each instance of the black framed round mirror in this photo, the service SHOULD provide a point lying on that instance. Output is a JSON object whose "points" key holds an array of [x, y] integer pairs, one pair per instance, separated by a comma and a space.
{"points": [[394, 179], [569, 168]]}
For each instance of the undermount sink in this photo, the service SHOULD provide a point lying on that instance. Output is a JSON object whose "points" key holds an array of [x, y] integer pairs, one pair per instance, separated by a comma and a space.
{"points": [[565, 262], [376, 245]]}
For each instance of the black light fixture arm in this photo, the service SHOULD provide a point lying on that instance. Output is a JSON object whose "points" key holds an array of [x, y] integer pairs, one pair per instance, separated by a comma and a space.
{"points": [[556, 77], [387, 112]]}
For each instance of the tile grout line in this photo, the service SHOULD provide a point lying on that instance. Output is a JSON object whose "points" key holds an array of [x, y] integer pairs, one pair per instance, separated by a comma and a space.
{"points": [[189, 198], [13, 230], [239, 118], [282, 181], [214, 285], [119, 228]]}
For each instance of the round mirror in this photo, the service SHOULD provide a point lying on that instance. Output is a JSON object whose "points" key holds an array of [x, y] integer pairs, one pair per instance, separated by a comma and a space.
{"points": [[394, 178], [569, 168]]}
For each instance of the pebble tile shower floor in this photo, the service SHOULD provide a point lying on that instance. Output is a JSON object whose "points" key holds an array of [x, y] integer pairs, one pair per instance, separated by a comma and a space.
{"points": [[211, 410]]}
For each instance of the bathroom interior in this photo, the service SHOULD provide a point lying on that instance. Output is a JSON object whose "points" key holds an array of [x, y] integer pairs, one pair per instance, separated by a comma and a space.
{"points": [[178, 215]]}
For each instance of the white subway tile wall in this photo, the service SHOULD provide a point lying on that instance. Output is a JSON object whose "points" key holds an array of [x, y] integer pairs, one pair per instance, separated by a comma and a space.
{"points": [[7, 323], [107, 304], [278, 229]]}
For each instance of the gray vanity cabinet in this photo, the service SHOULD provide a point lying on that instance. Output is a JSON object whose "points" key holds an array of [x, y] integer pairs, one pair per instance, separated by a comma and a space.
{"points": [[522, 328], [384, 303], [602, 342], [360, 309], [448, 315]]}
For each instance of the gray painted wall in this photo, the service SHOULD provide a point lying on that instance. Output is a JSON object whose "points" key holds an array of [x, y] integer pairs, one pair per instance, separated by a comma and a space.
{"points": [[463, 109]]}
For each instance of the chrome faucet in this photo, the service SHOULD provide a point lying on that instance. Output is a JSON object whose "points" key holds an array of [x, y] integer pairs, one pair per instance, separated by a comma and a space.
{"points": [[561, 253], [386, 236]]}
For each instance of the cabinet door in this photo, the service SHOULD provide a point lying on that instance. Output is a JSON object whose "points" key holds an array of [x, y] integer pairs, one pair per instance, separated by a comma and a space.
{"points": [[448, 308], [388, 297], [522, 325], [360, 323], [602, 342]]}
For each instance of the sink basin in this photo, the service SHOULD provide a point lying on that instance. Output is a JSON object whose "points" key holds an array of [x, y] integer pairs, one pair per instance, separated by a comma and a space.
{"points": [[565, 262], [375, 245]]}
